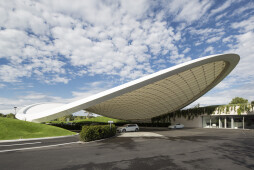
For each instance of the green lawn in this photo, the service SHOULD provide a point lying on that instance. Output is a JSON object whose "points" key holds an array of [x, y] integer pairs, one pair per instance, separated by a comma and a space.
{"points": [[17, 129]]}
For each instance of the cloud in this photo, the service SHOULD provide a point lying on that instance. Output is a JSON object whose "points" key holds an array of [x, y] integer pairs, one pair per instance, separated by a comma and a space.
{"points": [[246, 25], [209, 50], [249, 6], [89, 89], [212, 40], [46, 38], [244, 47], [221, 8], [188, 11], [240, 81], [186, 50], [225, 96], [31, 97]]}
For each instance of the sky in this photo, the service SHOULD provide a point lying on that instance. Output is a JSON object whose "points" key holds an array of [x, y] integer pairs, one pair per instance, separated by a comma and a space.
{"points": [[62, 51]]}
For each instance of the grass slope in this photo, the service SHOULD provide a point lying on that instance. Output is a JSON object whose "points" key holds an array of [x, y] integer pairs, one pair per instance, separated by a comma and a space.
{"points": [[17, 129]]}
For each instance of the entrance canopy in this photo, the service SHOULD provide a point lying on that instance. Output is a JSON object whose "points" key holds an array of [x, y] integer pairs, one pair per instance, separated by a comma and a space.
{"points": [[153, 95]]}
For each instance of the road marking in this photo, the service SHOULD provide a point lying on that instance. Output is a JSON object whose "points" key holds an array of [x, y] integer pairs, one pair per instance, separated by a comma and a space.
{"points": [[38, 147], [31, 139], [21, 144]]}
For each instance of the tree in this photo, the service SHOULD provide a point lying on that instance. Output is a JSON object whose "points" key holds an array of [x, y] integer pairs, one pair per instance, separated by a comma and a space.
{"points": [[64, 118], [238, 100], [252, 103], [2, 115], [79, 117], [10, 115], [197, 106]]}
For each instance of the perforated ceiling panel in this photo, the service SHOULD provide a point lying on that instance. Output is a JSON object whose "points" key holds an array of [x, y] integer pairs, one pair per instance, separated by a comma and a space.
{"points": [[164, 96]]}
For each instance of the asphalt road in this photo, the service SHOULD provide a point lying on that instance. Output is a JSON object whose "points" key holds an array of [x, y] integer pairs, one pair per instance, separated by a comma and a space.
{"points": [[22, 145], [151, 149]]}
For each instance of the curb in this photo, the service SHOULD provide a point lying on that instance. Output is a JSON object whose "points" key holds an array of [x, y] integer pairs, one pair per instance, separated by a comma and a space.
{"points": [[31, 139], [97, 140]]}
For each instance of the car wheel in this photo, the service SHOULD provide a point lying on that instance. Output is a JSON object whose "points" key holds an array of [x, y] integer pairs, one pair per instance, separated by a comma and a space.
{"points": [[136, 129], [124, 130]]}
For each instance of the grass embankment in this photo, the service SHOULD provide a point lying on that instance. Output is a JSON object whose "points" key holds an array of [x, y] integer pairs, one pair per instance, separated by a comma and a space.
{"points": [[17, 129]]}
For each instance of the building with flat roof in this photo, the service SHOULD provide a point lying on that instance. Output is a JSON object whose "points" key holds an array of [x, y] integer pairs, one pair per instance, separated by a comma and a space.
{"points": [[238, 116]]}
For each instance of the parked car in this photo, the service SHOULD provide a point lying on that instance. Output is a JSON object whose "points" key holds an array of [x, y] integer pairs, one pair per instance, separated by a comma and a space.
{"points": [[176, 126], [128, 128]]}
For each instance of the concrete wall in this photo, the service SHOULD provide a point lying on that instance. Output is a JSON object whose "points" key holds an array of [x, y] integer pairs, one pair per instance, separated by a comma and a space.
{"points": [[196, 122]]}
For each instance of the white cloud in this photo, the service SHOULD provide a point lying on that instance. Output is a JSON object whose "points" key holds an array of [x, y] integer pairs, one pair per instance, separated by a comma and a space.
{"points": [[32, 97], [188, 11], [213, 39], [209, 49], [228, 39], [186, 50], [221, 8], [242, 9], [246, 25], [209, 35], [225, 96], [244, 48], [207, 31], [89, 89], [11, 74], [97, 37], [240, 81], [7, 111], [220, 16]]}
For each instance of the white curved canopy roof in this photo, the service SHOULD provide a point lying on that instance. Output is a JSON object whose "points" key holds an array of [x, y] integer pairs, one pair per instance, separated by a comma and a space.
{"points": [[153, 95]]}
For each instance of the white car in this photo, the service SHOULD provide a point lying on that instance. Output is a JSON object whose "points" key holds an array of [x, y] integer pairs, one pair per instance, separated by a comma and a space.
{"points": [[128, 128], [176, 126]]}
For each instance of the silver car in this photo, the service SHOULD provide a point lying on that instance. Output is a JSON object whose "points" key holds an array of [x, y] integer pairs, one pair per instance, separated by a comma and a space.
{"points": [[176, 126], [128, 128]]}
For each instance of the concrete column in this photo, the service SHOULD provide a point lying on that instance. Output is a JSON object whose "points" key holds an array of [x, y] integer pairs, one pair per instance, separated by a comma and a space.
{"points": [[210, 122], [232, 123], [225, 122], [219, 123], [243, 122]]}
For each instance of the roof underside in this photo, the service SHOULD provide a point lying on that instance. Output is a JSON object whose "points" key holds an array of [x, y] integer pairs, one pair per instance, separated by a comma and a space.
{"points": [[164, 96]]}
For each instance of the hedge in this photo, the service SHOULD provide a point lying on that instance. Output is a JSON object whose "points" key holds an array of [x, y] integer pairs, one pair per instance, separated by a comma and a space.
{"points": [[95, 132], [79, 125]]}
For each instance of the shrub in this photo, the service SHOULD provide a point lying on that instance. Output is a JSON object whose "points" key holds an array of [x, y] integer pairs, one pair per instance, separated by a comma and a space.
{"points": [[95, 132], [11, 115]]}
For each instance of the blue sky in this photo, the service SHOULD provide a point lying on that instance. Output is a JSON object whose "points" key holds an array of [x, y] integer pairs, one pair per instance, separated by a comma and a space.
{"points": [[61, 51]]}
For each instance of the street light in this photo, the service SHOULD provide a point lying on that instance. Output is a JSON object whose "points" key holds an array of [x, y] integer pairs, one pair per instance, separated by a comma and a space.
{"points": [[15, 108]]}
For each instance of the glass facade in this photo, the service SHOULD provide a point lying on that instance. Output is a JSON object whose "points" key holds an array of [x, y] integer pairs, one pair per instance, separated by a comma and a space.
{"points": [[239, 122]]}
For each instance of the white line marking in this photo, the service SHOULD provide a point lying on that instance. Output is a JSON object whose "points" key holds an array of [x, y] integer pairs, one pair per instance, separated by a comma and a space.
{"points": [[38, 147], [21, 144], [30, 139]]}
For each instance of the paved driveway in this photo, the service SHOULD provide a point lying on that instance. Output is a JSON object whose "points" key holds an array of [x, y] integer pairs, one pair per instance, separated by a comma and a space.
{"points": [[151, 149]]}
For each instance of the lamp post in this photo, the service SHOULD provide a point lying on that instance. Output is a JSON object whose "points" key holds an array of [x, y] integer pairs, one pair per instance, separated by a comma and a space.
{"points": [[15, 108]]}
